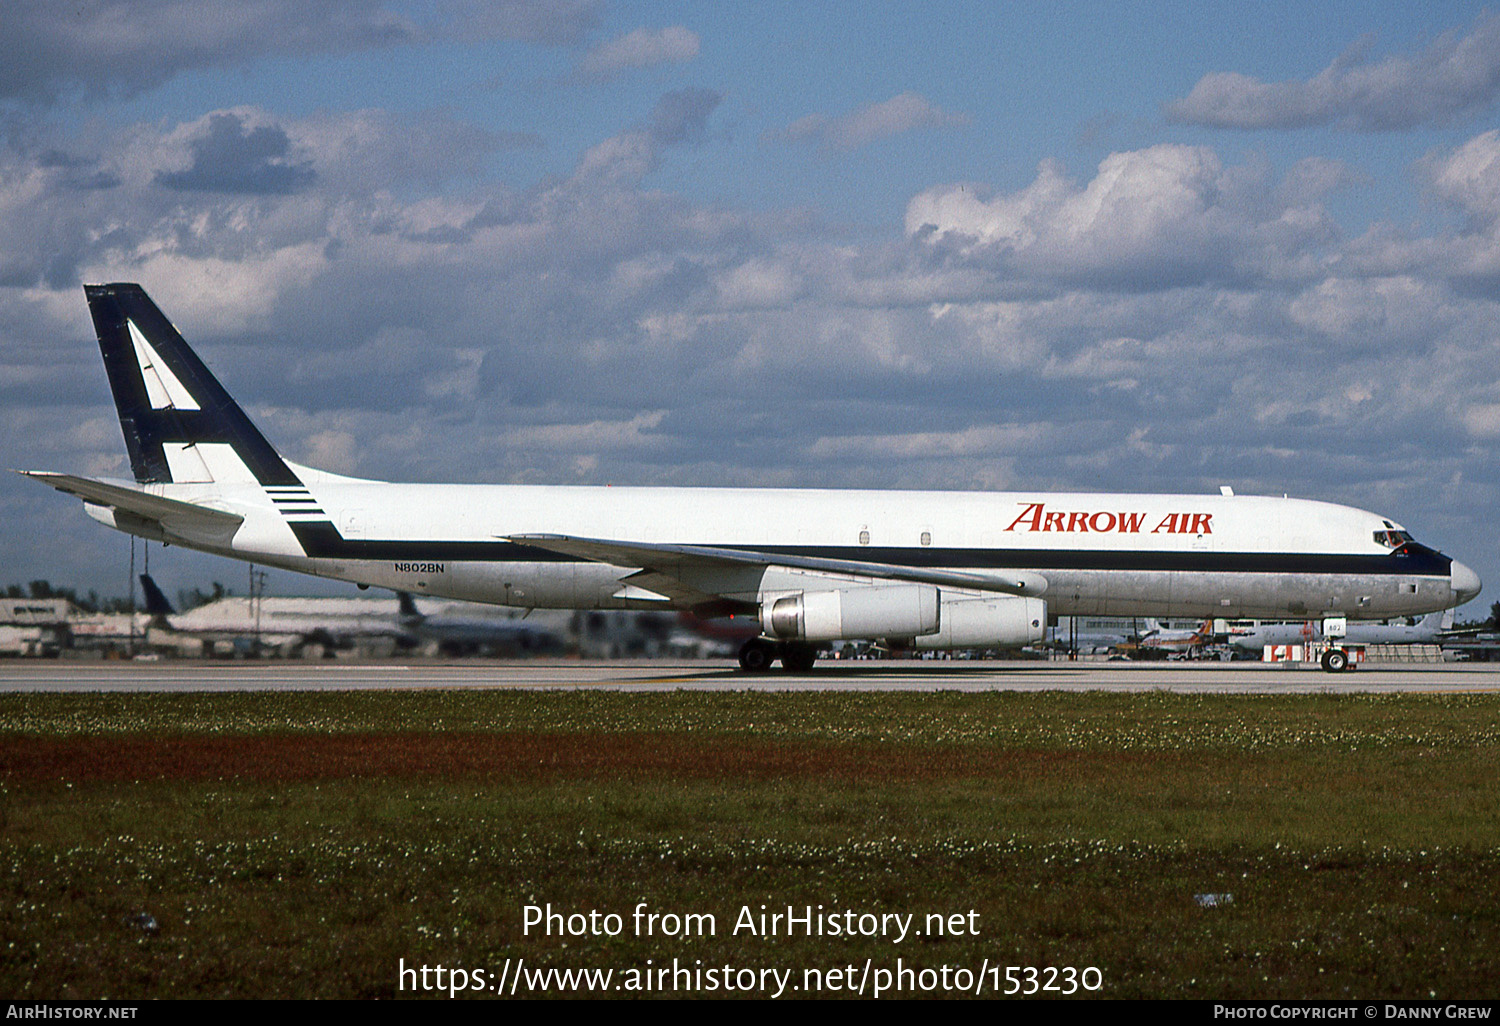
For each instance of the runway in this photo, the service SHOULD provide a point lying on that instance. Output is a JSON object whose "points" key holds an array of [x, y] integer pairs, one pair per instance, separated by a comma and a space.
{"points": [[699, 675]]}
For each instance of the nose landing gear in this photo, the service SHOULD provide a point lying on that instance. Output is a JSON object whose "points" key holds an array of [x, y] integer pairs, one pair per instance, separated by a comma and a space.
{"points": [[1335, 660]]}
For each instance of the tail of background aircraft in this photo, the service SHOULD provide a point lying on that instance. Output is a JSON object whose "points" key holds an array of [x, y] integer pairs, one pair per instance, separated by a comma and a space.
{"points": [[156, 602], [179, 424]]}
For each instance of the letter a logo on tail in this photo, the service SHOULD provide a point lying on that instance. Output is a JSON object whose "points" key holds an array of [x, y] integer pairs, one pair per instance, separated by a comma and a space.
{"points": [[179, 423], [162, 387]]}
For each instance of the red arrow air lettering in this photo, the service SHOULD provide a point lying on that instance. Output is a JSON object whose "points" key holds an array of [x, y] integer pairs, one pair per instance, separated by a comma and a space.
{"points": [[1035, 516]]}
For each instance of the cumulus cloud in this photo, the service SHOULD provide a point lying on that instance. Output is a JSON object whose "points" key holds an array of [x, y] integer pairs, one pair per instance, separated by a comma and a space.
{"points": [[1165, 215], [208, 189], [1466, 178], [1457, 75], [996, 440], [1469, 176], [1164, 316], [231, 156], [353, 151], [1383, 313], [124, 47], [907, 112], [643, 48], [1483, 420], [679, 116]]}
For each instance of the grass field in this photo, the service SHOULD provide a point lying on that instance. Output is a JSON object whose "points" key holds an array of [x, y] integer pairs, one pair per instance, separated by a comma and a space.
{"points": [[304, 844]]}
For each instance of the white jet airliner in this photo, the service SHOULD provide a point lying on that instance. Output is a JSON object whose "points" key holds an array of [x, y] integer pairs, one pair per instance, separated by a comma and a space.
{"points": [[1430, 630], [926, 569]]}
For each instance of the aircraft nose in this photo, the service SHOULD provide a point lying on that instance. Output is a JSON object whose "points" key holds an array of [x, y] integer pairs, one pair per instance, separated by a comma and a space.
{"points": [[1464, 582]]}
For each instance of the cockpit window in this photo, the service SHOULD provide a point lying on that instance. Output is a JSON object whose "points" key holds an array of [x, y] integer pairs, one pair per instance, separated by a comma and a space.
{"points": [[1392, 539]]}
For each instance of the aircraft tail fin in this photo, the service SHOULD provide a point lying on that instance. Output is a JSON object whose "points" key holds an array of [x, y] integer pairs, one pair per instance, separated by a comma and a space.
{"points": [[180, 425], [156, 602], [409, 610]]}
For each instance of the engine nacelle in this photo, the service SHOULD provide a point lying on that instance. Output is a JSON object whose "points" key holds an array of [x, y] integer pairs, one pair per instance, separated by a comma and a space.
{"points": [[999, 622], [899, 611]]}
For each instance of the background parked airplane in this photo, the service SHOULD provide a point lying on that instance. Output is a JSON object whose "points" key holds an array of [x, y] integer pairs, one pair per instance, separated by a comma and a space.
{"points": [[1429, 630], [1158, 642], [1092, 635], [475, 630], [274, 622]]}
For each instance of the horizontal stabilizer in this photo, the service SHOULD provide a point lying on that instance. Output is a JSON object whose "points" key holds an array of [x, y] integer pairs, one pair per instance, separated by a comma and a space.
{"points": [[192, 523]]}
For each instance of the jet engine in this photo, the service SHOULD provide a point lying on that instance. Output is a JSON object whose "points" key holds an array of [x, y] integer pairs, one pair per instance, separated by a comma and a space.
{"points": [[1000, 621], [917, 613], [899, 611]]}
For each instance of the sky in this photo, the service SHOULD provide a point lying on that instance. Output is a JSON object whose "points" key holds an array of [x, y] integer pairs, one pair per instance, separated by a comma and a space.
{"points": [[1082, 246]]}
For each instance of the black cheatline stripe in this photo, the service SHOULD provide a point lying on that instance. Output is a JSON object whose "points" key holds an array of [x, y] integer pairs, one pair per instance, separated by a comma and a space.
{"points": [[322, 540], [289, 502], [304, 512]]}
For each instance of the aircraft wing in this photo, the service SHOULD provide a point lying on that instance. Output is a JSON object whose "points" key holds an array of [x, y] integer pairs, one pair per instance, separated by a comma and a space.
{"points": [[185, 520], [697, 574]]}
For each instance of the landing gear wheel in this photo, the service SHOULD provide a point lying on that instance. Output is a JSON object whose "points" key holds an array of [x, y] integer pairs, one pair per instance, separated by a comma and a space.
{"points": [[756, 655], [798, 658], [1335, 660]]}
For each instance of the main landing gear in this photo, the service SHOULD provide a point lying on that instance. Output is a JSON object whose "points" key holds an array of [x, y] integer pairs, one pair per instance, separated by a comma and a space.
{"points": [[757, 655]]}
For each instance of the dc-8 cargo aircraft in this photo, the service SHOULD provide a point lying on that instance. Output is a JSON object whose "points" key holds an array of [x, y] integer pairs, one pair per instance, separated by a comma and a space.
{"points": [[936, 570]]}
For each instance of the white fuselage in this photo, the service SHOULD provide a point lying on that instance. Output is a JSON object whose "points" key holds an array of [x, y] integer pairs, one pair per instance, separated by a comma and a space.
{"points": [[1115, 555]]}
